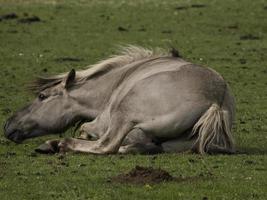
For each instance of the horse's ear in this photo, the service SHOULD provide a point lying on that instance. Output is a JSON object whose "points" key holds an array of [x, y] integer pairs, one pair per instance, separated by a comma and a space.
{"points": [[70, 78]]}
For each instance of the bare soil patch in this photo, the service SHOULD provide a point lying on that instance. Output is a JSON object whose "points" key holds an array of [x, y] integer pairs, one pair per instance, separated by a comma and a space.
{"points": [[143, 175], [192, 6], [29, 20], [149, 175], [8, 16], [67, 59], [249, 37]]}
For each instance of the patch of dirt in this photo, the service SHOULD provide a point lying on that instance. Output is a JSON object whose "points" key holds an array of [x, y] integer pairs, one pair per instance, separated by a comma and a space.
{"points": [[25, 20], [233, 27], [120, 28], [8, 16], [67, 59], [242, 61], [149, 175], [181, 8], [249, 37], [166, 31], [143, 175], [198, 6], [29, 20], [192, 6]]}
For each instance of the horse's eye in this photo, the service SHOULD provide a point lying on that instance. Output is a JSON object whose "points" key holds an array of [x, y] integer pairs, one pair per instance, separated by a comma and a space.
{"points": [[42, 97]]}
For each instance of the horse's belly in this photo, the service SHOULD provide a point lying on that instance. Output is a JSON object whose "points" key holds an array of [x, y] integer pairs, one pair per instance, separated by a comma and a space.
{"points": [[175, 123]]}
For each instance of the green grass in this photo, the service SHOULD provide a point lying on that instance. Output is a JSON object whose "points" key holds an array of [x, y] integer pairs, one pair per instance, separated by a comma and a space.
{"points": [[89, 30]]}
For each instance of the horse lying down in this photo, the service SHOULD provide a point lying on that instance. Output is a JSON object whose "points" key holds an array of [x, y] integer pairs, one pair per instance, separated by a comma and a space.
{"points": [[139, 101]]}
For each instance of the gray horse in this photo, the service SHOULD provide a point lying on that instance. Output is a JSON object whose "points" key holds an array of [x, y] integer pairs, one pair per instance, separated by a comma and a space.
{"points": [[139, 101]]}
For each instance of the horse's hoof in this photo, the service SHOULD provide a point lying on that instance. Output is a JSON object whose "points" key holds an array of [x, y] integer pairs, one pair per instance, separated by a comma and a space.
{"points": [[47, 148], [65, 145]]}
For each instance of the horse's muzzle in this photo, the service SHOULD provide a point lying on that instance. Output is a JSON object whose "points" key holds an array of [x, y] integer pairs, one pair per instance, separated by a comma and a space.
{"points": [[12, 134]]}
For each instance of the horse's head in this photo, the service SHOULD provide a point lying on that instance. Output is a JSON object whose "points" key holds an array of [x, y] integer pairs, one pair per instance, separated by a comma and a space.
{"points": [[53, 111]]}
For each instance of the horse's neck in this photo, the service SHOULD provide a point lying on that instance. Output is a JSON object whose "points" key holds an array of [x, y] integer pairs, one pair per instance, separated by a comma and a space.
{"points": [[94, 93]]}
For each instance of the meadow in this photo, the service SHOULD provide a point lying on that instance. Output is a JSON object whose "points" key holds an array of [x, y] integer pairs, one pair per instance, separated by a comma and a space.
{"points": [[53, 36]]}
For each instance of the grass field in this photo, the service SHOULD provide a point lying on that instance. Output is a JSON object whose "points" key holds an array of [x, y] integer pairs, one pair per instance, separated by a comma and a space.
{"points": [[229, 36]]}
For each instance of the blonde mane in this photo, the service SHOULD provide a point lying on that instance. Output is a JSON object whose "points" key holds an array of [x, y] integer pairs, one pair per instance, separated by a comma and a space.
{"points": [[126, 55]]}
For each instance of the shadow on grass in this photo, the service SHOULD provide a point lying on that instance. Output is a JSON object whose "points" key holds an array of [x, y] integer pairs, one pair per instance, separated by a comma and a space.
{"points": [[252, 151]]}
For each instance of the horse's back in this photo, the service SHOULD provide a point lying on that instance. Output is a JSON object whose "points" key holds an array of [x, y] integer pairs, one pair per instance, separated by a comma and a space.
{"points": [[169, 83]]}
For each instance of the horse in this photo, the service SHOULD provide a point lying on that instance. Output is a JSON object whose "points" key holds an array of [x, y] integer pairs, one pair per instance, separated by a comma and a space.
{"points": [[138, 101]]}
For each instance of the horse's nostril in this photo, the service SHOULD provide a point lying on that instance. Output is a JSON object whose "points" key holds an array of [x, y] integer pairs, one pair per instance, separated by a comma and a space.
{"points": [[6, 125], [8, 129]]}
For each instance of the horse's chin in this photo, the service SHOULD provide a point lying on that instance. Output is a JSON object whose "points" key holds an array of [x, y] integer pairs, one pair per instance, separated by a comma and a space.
{"points": [[18, 136]]}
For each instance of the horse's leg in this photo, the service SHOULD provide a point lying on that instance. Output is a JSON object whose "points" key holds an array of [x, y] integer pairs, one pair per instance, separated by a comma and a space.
{"points": [[93, 130], [89, 131], [139, 148], [137, 142], [49, 147], [109, 142]]}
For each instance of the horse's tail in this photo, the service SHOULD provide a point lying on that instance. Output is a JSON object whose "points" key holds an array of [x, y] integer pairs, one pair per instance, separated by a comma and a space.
{"points": [[213, 131]]}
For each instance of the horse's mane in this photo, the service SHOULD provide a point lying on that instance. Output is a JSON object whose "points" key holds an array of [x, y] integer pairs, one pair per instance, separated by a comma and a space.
{"points": [[126, 55]]}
